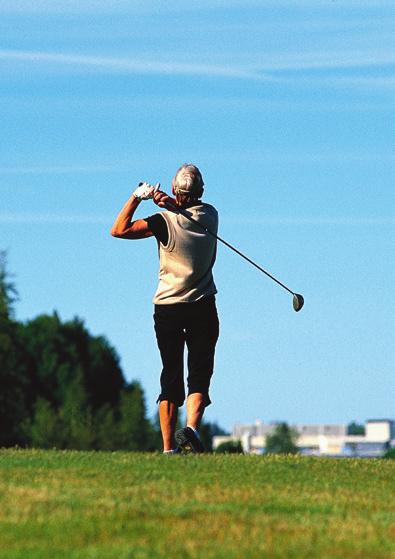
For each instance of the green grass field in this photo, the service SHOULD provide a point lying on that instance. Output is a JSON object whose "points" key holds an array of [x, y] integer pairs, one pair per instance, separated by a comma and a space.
{"points": [[127, 505]]}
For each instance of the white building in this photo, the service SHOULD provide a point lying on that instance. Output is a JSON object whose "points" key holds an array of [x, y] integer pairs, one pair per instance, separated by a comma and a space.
{"points": [[319, 440]]}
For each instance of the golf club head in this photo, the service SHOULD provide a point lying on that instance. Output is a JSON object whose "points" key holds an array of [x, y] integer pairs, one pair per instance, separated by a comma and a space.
{"points": [[297, 302]]}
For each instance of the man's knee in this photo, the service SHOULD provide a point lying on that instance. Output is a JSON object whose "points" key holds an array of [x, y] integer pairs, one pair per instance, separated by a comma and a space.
{"points": [[177, 399], [205, 398]]}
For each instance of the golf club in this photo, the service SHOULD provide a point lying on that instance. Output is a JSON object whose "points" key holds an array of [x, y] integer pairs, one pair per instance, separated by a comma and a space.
{"points": [[297, 300]]}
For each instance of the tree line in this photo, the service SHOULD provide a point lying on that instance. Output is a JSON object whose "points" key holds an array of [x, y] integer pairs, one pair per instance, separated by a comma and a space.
{"points": [[63, 388]]}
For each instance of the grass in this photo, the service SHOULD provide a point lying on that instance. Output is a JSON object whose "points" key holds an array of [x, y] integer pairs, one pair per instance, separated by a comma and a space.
{"points": [[89, 505]]}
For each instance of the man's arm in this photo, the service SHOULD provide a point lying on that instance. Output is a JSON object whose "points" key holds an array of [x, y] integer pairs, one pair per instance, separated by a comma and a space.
{"points": [[124, 228]]}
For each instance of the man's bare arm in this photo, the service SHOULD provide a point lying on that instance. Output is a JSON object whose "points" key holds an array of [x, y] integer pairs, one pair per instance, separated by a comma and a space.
{"points": [[124, 228]]}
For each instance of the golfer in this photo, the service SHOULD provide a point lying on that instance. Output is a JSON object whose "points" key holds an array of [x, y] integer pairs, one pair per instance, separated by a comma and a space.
{"points": [[185, 310]]}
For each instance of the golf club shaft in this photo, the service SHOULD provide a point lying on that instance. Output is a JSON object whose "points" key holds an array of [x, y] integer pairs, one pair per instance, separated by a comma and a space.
{"points": [[187, 216]]}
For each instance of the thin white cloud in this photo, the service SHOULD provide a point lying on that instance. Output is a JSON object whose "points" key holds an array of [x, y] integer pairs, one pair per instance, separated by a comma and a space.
{"points": [[261, 68], [133, 65], [126, 163], [112, 6], [308, 25], [82, 219], [325, 60], [307, 156], [312, 220], [376, 82], [155, 6], [59, 169], [47, 219], [180, 102]]}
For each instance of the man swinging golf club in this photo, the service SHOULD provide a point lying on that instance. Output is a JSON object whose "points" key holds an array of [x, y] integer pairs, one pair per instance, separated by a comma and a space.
{"points": [[185, 310]]}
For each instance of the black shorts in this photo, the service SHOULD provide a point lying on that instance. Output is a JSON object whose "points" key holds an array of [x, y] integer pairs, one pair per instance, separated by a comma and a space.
{"points": [[193, 324]]}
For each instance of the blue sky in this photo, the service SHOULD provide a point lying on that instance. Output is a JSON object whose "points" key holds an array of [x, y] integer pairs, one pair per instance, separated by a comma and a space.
{"points": [[287, 108]]}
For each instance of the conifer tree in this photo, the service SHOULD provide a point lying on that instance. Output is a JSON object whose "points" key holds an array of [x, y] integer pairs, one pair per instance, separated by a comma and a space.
{"points": [[134, 430], [76, 416], [44, 428], [13, 382], [105, 428]]}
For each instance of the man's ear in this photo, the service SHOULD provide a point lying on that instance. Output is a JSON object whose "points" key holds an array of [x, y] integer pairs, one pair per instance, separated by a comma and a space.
{"points": [[172, 190]]}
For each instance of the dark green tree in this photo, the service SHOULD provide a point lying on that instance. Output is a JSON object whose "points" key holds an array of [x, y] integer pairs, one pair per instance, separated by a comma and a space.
{"points": [[13, 381], [104, 428], [78, 376], [390, 453], [8, 292], [355, 428], [134, 431], [57, 351], [282, 441], [63, 387], [45, 430], [76, 416], [229, 447]]}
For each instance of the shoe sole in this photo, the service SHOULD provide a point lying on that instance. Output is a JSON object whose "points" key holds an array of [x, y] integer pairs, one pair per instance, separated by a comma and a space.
{"points": [[184, 443]]}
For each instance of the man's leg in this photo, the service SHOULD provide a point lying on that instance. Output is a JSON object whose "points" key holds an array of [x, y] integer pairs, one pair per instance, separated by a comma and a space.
{"points": [[188, 438], [171, 339], [201, 337], [168, 419], [195, 409], [201, 334]]}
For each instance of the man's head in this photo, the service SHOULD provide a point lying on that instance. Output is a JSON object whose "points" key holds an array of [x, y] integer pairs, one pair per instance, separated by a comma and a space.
{"points": [[188, 184]]}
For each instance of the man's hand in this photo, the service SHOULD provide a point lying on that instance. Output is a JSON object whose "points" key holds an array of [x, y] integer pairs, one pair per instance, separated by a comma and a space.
{"points": [[124, 227], [145, 191], [161, 198]]}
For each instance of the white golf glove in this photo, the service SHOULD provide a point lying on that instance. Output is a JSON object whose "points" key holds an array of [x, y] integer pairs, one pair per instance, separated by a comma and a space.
{"points": [[145, 191]]}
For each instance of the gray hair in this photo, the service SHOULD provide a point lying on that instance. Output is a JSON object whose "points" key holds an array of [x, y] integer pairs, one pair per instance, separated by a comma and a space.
{"points": [[188, 181]]}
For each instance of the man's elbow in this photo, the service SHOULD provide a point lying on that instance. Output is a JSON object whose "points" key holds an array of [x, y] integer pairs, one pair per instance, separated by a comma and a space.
{"points": [[114, 232]]}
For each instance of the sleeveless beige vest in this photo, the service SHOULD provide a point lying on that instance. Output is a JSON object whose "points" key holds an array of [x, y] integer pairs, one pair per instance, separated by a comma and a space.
{"points": [[186, 262]]}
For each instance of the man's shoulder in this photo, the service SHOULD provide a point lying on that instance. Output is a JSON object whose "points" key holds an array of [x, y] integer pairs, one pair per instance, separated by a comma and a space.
{"points": [[209, 208], [157, 224], [154, 218]]}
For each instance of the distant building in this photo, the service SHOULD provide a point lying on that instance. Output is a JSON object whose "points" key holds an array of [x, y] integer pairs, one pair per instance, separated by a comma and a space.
{"points": [[319, 440]]}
